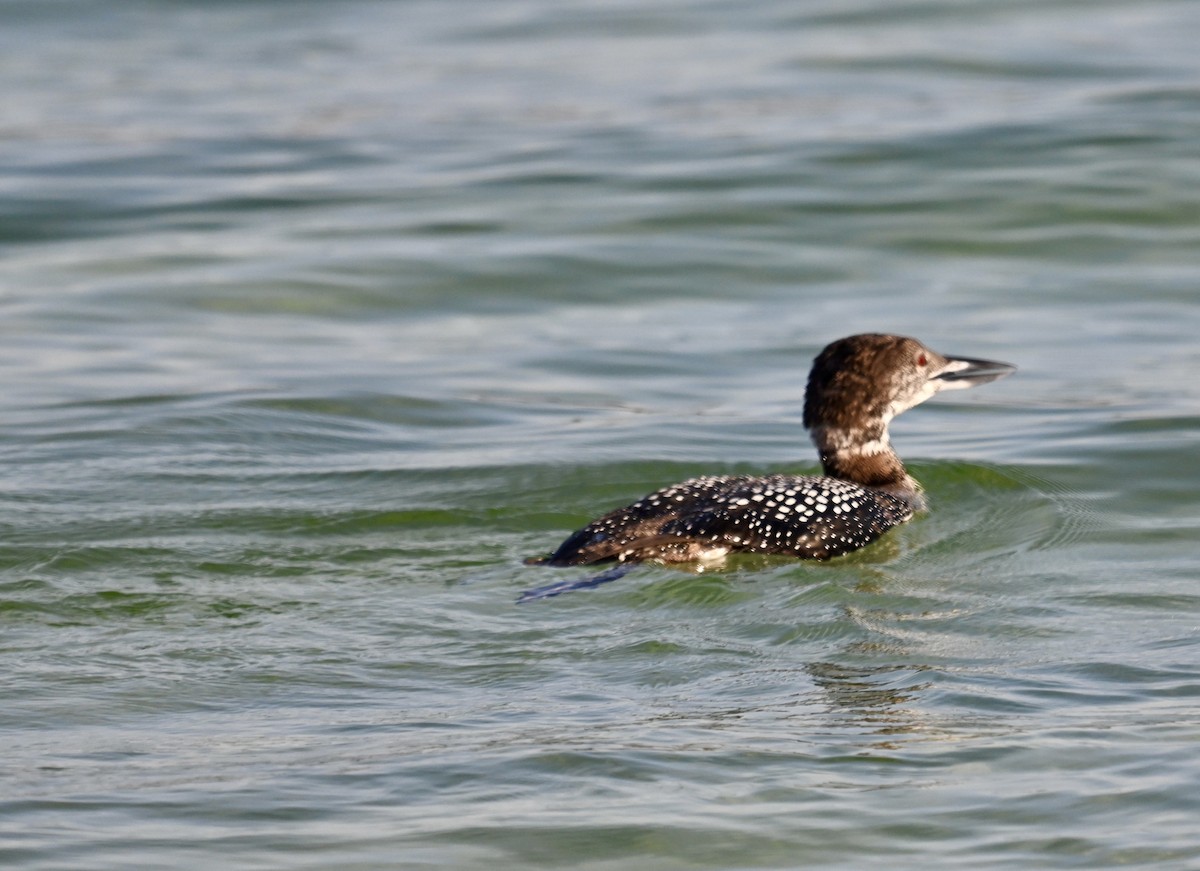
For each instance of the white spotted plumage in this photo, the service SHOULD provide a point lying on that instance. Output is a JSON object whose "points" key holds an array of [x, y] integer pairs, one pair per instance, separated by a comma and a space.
{"points": [[811, 517]]}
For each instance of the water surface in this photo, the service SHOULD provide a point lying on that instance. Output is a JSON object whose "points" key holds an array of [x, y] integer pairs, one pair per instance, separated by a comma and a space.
{"points": [[319, 317]]}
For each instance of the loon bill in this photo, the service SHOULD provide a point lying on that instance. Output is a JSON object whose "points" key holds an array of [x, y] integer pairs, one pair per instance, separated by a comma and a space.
{"points": [[856, 386]]}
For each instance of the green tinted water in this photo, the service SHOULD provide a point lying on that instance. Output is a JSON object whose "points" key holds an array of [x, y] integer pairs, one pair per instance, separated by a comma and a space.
{"points": [[318, 318]]}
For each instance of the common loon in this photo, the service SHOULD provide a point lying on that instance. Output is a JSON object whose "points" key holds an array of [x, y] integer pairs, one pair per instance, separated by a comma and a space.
{"points": [[856, 386]]}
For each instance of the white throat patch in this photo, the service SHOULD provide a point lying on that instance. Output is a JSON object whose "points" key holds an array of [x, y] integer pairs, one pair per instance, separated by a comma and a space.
{"points": [[852, 442]]}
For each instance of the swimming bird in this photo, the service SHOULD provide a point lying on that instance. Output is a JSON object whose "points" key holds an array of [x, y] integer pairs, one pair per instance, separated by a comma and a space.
{"points": [[857, 385]]}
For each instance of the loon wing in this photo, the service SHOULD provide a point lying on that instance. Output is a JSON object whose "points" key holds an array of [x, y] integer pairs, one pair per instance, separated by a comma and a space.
{"points": [[809, 517]]}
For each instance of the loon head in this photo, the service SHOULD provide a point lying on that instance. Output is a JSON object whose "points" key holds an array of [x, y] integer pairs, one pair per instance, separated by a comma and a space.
{"points": [[858, 384], [865, 380]]}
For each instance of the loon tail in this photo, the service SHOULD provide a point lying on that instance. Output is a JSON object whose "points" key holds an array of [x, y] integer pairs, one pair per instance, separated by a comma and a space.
{"points": [[559, 587]]}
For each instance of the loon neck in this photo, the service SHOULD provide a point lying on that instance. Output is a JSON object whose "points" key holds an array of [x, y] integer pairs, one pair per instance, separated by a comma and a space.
{"points": [[866, 457]]}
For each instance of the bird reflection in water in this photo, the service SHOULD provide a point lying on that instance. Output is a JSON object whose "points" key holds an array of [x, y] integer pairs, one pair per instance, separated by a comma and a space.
{"points": [[877, 698]]}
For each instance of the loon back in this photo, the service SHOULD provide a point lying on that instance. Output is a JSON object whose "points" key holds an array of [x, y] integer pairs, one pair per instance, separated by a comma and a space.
{"points": [[856, 387], [810, 517]]}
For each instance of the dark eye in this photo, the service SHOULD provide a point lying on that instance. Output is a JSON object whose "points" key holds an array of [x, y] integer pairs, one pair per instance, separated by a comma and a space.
{"points": [[921, 361]]}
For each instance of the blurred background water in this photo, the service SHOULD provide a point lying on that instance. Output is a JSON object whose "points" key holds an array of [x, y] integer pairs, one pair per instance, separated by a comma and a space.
{"points": [[318, 317]]}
